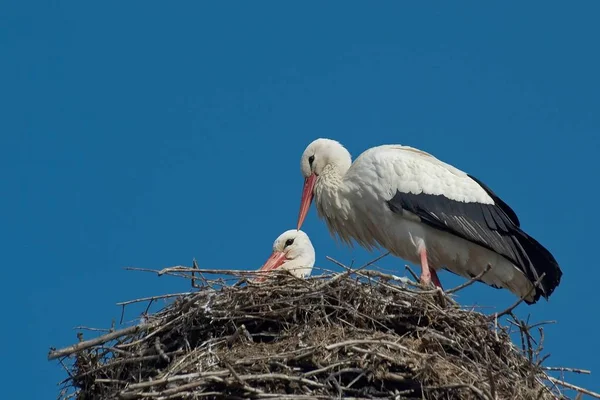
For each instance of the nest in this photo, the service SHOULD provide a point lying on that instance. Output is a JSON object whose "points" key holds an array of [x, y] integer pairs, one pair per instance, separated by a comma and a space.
{"points": [[359, 334]]}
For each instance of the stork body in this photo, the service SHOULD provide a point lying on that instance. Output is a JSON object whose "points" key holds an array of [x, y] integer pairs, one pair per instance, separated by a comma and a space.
{"points": [[426, 212], [292, 251]]}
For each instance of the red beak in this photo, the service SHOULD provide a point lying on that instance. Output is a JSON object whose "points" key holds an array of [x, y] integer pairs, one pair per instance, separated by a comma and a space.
{"points": [[307, 196], [273, 262]]}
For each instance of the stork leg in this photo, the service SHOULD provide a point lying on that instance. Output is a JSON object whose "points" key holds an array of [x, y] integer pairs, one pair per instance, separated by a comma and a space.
{"points": [[428, 274]]}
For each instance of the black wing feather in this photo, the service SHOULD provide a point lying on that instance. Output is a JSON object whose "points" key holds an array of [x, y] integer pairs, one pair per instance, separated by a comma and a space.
{"points": [[499, 202], [493, 226]]}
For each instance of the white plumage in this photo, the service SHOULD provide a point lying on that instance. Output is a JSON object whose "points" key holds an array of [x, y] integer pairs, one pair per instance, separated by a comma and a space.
{"points": [[292, 251], [424, 211]]}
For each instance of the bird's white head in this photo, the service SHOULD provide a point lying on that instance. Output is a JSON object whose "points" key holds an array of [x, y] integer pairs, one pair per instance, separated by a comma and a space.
{"points": [[292, 251], [321, 157]]}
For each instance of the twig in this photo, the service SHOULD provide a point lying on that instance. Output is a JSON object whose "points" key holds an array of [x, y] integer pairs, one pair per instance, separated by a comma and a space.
{"points": [[490, 375], [571, 386], [371, 341], [123, 361], [324, 369], [91, 329], [471, 281], [388, 277], [349, 271], [152, 298], [565, 369], [410, 271], [160, 382], [512, 307], [541, 323], [181, 268], [159, 350], [53, 354], [472, 388], [234, 374], [282, 377]]}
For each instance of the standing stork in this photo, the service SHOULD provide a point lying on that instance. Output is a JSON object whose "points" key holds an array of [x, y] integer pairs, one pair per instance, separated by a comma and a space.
{"points": [[292, 251], [424, 211]]}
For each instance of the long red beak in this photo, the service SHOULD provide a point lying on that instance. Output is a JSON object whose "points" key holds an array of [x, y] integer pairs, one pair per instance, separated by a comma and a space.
{"points": [[273, 262], [307, 196]]}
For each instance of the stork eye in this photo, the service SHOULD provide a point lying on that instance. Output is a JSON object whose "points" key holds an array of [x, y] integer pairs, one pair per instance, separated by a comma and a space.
{"points": [[289, 242], [311, 159]]}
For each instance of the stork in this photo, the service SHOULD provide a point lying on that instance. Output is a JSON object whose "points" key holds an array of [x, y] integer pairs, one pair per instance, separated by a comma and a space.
{"points": [[426, 212], [292, 251]]}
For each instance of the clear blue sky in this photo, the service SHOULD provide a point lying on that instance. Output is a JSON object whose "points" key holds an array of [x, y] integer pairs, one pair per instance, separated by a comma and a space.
{"points": [[145, 134]]}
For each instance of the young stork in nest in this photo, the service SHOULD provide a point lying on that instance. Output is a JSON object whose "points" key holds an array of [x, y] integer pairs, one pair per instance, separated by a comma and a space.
{"points": [[292, 251], [424, 211]]}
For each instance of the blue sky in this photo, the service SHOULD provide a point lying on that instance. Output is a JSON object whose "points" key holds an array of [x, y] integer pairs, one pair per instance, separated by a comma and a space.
{"points": [[145, 134]]}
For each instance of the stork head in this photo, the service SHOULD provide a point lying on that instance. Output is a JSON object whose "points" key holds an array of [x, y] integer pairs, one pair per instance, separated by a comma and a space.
{"points": [[320, 157], [292, 251]]}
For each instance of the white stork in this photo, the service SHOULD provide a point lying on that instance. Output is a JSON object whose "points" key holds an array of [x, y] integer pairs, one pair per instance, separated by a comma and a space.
{"points": [[424, 211], [292, 251]]}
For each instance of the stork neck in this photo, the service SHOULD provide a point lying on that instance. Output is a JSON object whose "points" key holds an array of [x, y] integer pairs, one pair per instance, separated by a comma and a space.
{"points": [[329, 193], [330, 180]]}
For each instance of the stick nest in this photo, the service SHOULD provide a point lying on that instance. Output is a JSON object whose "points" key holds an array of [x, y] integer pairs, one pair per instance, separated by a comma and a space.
{"points": [[353, 335]]}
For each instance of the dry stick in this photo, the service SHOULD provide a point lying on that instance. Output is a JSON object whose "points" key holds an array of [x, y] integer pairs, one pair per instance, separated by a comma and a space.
{"points": [[234, 374], [159, 350], [540, 347], [565, 369], [370, 273], [490, 376], [241, 381], [99, 340], [167, 392], [471, 281], [478, 392], [388, 277], [80, 328], [525, 329], [349, 271], [152, 298], [297, 396], [324, 369], [193, 280], [571, 386], [511, 308], [409, 269], [181, 268], [160, 329], [541, 323], [158, 382], [283, 377], [66, 369], [371, 341], [119, 362], [129, 395]]}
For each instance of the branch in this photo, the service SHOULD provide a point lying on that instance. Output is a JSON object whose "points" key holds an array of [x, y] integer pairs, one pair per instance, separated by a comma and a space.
{"points": [[511, 308], [181, 268], [153, 298], [478, 392], [564, 369], [470, 282], [53, 354], [571, 386], [349, 271]]}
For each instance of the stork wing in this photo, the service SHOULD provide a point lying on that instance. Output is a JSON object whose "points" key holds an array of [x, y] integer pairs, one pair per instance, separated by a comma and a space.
{"points": [[484, 224], [448, 199]]}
